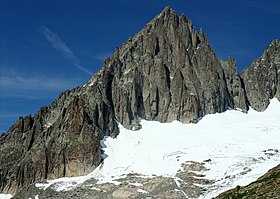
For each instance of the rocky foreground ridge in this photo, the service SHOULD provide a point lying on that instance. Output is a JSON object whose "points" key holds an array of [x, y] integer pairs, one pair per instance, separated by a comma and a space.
{"points": [[166, 72], [266, 186], [133, 186]]}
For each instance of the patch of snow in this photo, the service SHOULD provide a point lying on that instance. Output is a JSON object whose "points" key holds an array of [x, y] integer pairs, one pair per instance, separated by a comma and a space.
{"points": [[90, 83], [61, 184], [238, 109], [37, 197], [47, 125], [241, 146], [127, 71], [42, 185], [136, 184], [94, 188], [5, 196], [142, 191], [177, 181]]}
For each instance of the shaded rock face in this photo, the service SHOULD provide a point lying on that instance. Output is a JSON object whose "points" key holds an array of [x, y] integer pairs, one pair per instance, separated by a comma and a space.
{"points": [[165, 72], [235, 84], [60, 140], [262, 78]]}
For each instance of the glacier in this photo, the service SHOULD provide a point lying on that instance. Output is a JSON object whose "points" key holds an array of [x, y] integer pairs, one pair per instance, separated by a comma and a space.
{"points": [[236, 148]]}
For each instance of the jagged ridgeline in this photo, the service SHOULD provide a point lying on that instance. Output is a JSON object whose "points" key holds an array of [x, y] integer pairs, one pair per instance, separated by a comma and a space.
{"points": [[166, 72]]}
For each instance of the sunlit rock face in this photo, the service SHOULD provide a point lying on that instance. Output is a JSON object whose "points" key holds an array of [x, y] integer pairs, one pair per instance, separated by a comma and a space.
{"points": [[262, 78]]}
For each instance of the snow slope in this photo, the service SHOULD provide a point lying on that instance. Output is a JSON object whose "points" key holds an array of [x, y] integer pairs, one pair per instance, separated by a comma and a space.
{"points": [[239, 148], [5, 196]]}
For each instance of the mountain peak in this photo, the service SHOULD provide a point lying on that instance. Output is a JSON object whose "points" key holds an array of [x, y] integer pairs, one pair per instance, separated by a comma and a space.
{"points": [[166, 13], [274, 45], [166, 72], [275, 42], [168, 10]]}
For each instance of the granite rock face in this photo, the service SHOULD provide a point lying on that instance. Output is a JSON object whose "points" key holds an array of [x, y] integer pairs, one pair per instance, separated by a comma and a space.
{"points": [[235, 85], [60, 140], [169, 72], [262, 78], [166, 72]]}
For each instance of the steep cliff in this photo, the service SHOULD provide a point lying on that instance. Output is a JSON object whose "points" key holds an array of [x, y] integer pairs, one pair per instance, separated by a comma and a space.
{"points": [[235, 84], [60, 140], [262, 78], [169, 72]]}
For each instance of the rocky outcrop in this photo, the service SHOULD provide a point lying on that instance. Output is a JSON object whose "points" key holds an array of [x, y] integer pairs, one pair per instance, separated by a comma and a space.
{"points": [[166, 72], [262, 78], [60, 140], [134, 188], [187, 184], [169, 72], [266, 186]]}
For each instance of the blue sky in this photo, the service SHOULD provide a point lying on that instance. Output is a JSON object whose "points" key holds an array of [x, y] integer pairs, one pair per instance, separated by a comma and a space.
{"points": [[48, 46]]}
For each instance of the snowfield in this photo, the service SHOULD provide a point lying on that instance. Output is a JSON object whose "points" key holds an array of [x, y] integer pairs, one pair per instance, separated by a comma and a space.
{"points": [[236, 149], [5, 196]]}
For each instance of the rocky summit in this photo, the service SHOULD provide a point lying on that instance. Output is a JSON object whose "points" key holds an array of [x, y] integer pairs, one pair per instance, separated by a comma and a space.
{"points": [[166, 72]]}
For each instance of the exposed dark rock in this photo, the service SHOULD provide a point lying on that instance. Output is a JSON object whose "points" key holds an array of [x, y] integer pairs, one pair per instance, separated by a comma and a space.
{"points": [[169, 72], [235, 85], [262, 78], [60, 140]]}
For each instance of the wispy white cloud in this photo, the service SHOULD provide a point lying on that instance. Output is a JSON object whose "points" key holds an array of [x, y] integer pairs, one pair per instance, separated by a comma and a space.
{"points": [[33, 86], [23, 93], [61, 46], [103, 56], [262, 6], [4, 115]]}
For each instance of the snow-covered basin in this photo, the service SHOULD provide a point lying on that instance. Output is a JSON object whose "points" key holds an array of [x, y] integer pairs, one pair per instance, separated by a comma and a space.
{"points": [[241, 147], [5, 196]]}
